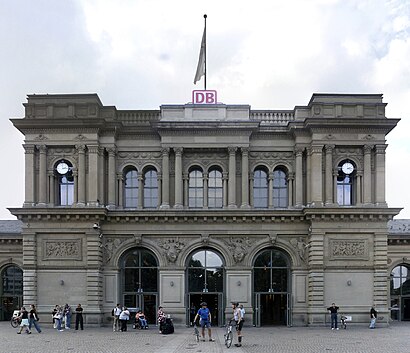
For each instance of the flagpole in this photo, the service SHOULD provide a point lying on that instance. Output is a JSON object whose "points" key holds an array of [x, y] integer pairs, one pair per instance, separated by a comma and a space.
{"points": [[205, 16]]}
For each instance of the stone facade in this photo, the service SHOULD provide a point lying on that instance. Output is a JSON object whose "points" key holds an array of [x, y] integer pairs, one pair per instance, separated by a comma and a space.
{"points": [[190, 178]]}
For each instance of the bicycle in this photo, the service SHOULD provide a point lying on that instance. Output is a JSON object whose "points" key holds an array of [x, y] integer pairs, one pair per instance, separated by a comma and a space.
{"points": [[228, 336], [196, 333], [15, 321]]}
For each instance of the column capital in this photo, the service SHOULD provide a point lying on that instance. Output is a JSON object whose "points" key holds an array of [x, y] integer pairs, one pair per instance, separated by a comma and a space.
{"points": [[112, 151], [299, 151], [29, 149], [329, 148], [316, 149], [232, 149], [93, 148], [381, 149], [178, 150], [367, 149], [245, 150], [42, 148], [165, 151], [80, 148]]}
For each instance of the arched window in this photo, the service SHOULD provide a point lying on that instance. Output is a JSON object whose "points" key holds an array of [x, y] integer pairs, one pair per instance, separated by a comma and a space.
{"points": [[271, 272], [400, 280], [260, 188], [140, 271], [215, 190], [65, 183], [12, 281], [150, 189], [280, 188], [131, 188], [205, 272], [196, 189], [345, 183]]}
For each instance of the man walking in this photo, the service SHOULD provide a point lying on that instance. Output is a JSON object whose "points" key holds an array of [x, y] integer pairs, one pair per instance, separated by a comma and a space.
{"points": [[116, 312]]}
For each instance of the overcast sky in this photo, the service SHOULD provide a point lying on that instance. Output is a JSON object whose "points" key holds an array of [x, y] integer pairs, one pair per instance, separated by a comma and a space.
{"points": [[270, 54]]}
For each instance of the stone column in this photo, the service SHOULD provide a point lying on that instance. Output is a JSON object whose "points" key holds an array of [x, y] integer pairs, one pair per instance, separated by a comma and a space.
{"points": [[159, 182], [251, 179], [316, 175], [232, 178], [101, 196], [245, 177], [120, 181], [270, 190], [335, 174], [359, 189], [328, 174], [42, 185], [51, 185], [75, 176], [81, 175], [93, 182], [308, 176], [205, 203], [186, 189], [111, 177], [367, 175], [299, 177], [178, 178], [225, 189], [140, 191], [291, 178], [165, 178], [380, 187], [29, 192]]}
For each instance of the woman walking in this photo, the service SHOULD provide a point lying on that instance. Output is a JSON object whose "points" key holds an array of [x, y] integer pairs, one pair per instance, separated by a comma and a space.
{"points": [[33, 318]]}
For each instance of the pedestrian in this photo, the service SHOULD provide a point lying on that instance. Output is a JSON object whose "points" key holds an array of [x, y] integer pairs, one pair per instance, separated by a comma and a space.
{"points": [[333, 315], [161, 318], [67, 316], [124, 317], [116, 312], [58, 317], [373, 317], [205, 321], [238, 318], [243, 312], [79, 317], [33, 319], [24, 320]]}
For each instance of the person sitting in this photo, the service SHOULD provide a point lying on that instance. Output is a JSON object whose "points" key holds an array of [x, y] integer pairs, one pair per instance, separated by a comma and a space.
{"points": [[142, 320]]}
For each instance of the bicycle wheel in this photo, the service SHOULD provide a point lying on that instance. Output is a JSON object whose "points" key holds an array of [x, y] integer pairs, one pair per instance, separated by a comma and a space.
{"points": [[196, 334], [14, 323], [228, 339]]}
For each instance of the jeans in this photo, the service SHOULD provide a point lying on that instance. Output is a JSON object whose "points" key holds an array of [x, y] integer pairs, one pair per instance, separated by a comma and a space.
{"points": [[333, 318], [143, 323], [58, 321], [372, 323], [68, 321], [34, 323]]}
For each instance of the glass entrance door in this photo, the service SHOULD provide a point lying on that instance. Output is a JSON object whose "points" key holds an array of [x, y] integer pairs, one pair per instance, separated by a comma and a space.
{"points": [[145, 302], [215, 306], [271, 309]]}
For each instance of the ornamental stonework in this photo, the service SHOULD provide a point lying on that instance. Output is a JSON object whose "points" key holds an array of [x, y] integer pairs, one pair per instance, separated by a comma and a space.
{"points": [[238, 247], [349, 249], [171, 248], [109, 247], [62, 250]]}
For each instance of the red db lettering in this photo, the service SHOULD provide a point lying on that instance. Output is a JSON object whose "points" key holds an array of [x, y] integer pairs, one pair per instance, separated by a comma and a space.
{"points": [[210, 99]]}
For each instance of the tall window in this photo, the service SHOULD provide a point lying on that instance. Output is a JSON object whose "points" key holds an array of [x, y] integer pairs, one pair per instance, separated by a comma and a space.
{"points": [[196, 189], [270, 272], [345, 183], [150, 189], [280, 188], [65, 183], [12, 281], [205, 272], [400, 280], [215, 191], [131, 188], [260, 188], [140, 271]]}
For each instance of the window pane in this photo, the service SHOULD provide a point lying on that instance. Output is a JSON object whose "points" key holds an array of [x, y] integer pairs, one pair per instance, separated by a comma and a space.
{"points": [[260, 189], [131, 189], [197, 259], [279, 280], [149, 279], [214, 279], [196, 279], [131, 280], [261, 279], [263, 260]]}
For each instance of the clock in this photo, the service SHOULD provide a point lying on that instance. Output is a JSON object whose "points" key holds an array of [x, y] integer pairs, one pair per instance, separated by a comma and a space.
{"points": [[62, 168], [347, 168]]}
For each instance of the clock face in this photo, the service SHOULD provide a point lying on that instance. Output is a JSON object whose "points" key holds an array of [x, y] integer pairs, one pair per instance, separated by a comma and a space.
{"points": [[62, 168], [348, 168]]}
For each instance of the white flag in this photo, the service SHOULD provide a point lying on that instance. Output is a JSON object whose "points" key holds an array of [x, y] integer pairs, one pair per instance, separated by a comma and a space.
{"points": [[200, 70]]}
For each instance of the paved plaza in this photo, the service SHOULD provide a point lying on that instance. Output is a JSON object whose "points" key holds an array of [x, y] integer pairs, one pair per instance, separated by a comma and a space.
{"points": [[356, 339]]}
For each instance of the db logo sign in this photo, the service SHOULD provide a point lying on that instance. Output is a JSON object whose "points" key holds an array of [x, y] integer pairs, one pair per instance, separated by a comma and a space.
{"points": [[204, 97]]}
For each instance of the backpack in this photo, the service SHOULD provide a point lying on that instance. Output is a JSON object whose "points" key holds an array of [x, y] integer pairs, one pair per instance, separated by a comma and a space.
{"points": [[112, 312]]}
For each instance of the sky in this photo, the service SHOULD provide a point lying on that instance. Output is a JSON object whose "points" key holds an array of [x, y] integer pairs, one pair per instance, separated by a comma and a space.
{"points": [[269, 54]]}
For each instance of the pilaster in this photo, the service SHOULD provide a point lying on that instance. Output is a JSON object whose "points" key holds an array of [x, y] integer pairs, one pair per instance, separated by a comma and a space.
{"points": [[245, 177], [42, 183], [232, 177], [165, 178], [178, 178], [111, 176], [29, 182], [299, 177], [380, 188]]}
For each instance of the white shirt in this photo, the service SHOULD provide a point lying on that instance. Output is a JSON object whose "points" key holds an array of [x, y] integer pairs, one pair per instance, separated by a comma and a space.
{"points": [[117, 311], [125, 315]]}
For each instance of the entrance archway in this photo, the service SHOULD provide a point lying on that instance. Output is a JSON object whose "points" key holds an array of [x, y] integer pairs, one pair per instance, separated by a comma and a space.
{"points": [[271, 273], [11, 291], [205, 283], [139, 282]]}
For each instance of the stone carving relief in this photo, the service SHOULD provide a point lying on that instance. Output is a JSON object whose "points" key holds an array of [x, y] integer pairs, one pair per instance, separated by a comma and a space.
{"points": [[205, 159], [301, 247], [270, 158], [41, 137], [348, 248], [53, 153], [238, 247], [172, 248], [109, 247], [62, 249], [80, 137]]}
